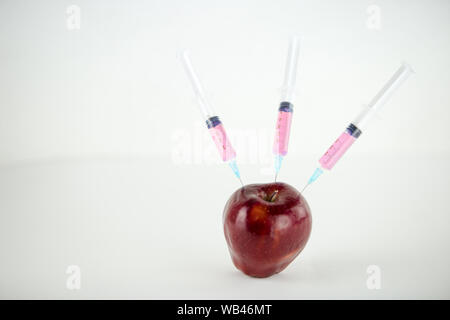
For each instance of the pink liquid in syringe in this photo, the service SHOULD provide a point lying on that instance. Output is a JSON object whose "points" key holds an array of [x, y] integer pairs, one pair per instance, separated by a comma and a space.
{"points": [[337, 150], [222, 142], [283, 129]]}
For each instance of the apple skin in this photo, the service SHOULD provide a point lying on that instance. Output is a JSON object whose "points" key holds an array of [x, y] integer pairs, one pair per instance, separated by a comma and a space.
{"points": [[264, 234]]}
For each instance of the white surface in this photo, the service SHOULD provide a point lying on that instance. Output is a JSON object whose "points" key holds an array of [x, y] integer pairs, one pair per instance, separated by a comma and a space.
{"points": [[138, 232], [105, 163]]}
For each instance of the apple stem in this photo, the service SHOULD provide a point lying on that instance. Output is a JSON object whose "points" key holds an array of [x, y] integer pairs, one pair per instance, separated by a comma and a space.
{"points": [[273, 196]]}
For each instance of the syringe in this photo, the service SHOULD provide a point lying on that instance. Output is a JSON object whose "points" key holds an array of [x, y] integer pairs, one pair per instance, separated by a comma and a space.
{"points": [[356, 127], [213, 123], [283, 126]]}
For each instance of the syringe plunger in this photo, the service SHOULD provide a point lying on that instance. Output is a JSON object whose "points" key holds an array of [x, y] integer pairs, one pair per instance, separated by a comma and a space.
{"points": [[290, 73], [382, 96], [203, 103]]}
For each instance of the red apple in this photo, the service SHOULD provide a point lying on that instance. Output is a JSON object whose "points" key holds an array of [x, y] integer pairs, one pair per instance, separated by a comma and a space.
{"points": [[266, 226]]}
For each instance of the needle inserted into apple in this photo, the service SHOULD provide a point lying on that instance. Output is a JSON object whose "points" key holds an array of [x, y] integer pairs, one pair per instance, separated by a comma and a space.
{"points": [[213, 123]]}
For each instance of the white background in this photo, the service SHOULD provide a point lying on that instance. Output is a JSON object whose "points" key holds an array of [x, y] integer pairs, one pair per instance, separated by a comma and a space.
{"points": [[105, 162]]}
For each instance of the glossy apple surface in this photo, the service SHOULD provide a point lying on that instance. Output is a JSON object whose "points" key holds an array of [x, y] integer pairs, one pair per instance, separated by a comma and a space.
{"points": [[266, 226]]}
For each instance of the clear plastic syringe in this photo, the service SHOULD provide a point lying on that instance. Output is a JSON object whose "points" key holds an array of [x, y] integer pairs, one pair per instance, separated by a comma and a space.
{"points": [[213, 123], [356, 127], [284, 119]]}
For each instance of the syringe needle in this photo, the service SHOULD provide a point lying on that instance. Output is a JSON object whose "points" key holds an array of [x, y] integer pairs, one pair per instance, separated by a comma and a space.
{"points": [[278, 161], [304, 188], [241, 181], [313, 178]]}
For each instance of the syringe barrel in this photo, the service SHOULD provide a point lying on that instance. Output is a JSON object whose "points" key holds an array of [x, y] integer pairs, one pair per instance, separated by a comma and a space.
{"points": [[339, 147], [220, 138], [367, 114], [283, 128]]}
